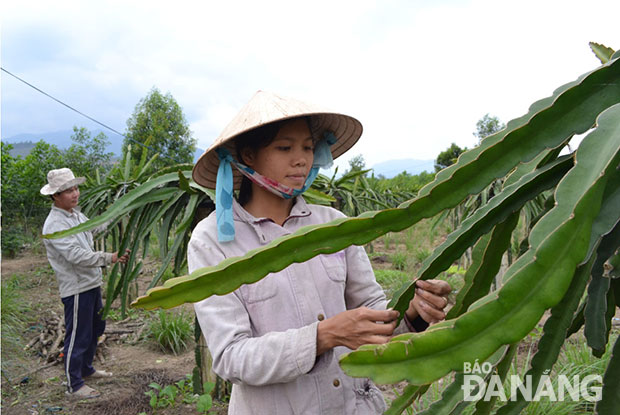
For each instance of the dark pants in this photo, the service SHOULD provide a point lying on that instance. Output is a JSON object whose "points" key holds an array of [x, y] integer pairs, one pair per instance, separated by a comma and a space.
{"points": [[83, 325]]}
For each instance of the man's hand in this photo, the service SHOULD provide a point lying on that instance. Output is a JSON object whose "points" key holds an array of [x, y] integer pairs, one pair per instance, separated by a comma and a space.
{"points": [[122, 259], [431, 298], [353, 328]]}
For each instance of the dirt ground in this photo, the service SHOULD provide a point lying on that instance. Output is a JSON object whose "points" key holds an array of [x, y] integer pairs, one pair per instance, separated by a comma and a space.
{"points": [[29, 387]]}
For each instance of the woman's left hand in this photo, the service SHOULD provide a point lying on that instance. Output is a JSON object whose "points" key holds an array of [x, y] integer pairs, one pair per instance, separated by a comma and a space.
{"points": [[430, 301]]}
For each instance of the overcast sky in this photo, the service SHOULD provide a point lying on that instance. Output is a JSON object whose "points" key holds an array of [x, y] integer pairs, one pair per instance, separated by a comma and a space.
{"points": [[417, 74]]}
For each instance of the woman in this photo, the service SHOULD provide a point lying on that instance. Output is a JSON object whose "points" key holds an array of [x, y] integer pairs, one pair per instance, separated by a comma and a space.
{"points": [[278, 340]]}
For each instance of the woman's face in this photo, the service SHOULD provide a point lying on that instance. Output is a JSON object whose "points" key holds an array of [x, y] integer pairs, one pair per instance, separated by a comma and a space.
{"points": [[288, 158]]}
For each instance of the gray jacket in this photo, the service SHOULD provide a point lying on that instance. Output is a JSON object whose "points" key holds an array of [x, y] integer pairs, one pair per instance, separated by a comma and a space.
{"points": [[76, 264], [263, 336]]}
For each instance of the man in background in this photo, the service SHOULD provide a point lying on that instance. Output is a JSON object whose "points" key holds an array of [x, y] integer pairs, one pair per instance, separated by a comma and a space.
{"points": [[78, 271]]}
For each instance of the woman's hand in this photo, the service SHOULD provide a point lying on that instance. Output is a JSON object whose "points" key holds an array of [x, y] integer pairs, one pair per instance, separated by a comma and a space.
{"points": [[430, 300], [353, 328]]}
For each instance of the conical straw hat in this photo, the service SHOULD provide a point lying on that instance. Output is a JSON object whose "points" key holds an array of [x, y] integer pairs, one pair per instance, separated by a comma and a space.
{"points": [[264, 108]]}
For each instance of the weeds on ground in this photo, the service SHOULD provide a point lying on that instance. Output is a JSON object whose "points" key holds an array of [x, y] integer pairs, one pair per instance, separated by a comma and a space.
{"points": [[12, 242], [115, 314], [14, 320], [421, 253], [161, 397], [391, 280], [399, 261], [388, 239], [376, 254], [575, 360], [171, 331], [21, 237]]}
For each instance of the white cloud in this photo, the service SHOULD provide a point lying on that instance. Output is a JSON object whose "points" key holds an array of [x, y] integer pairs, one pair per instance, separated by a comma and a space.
{"points": [[417, 74]]}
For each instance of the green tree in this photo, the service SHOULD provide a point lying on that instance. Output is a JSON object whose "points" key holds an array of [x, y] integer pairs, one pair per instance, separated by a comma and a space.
{"points": [[448, 157], [402, 182], [23, 207], [87, 153], [7, 165], [159, 124], [488, 125], [357, 163]]}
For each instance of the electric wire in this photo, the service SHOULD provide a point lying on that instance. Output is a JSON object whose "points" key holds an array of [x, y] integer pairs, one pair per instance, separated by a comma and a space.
{"points": [[79, 112]]}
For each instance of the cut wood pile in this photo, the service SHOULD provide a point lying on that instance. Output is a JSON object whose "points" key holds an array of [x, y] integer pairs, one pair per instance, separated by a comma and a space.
{"points": [[48, 343]]}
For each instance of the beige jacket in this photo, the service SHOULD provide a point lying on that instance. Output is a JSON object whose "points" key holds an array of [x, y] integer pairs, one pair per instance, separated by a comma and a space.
{"points": [[263, 336], [76, 264]]}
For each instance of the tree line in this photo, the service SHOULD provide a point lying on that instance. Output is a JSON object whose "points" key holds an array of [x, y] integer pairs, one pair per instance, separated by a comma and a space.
{"points": [[158, 131]]}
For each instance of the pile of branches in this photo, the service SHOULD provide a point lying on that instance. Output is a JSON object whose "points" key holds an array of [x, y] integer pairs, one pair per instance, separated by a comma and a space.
{"points": [[48, 344]]}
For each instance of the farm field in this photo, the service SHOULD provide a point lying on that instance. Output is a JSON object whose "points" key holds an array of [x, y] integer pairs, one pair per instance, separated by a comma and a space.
{"points": [[30, 385]]}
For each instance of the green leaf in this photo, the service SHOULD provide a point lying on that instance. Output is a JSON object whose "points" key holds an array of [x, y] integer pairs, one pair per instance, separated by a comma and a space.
{"points": [[143, 168], [127, 165], [485, 406], [205, 402], [207, 387], [609, 216], [130, 276], [142, 195], [406, 399], [155, 386], [536, 281], [184, 184], [115, 281], [610, 399], [602, 52], [596, 325], [152, 399], [555, 332], [170, 391], [208, 192], [182, 231], [578, 320], [614, 263], [319, 198], [454, 394], [486, 262], [167, 225], [572, 109], [497, 210]]}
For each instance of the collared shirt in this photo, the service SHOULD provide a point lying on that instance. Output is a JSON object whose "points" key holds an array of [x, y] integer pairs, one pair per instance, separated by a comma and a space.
{"points": [[263, 336], [76, 264]]}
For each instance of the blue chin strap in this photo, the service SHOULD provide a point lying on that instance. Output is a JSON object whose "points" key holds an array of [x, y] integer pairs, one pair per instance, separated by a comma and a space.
{"points": [[224, 191], [224, 198]]}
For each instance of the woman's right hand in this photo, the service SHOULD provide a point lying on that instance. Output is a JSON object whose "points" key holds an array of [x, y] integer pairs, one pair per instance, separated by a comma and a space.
{"points": [[353, 328]]}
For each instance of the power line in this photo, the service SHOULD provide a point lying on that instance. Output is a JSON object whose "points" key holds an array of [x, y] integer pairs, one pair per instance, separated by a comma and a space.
{"points": [[75, 110]]}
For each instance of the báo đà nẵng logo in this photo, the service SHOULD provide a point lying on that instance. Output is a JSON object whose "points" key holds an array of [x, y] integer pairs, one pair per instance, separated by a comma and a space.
{"points": [[480, 382]]}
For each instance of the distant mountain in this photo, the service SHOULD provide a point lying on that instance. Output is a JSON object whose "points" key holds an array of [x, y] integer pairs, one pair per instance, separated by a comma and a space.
{"points": [[21, 148], [23, 143], [199, 152], [391, 168], [62, 139]]}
